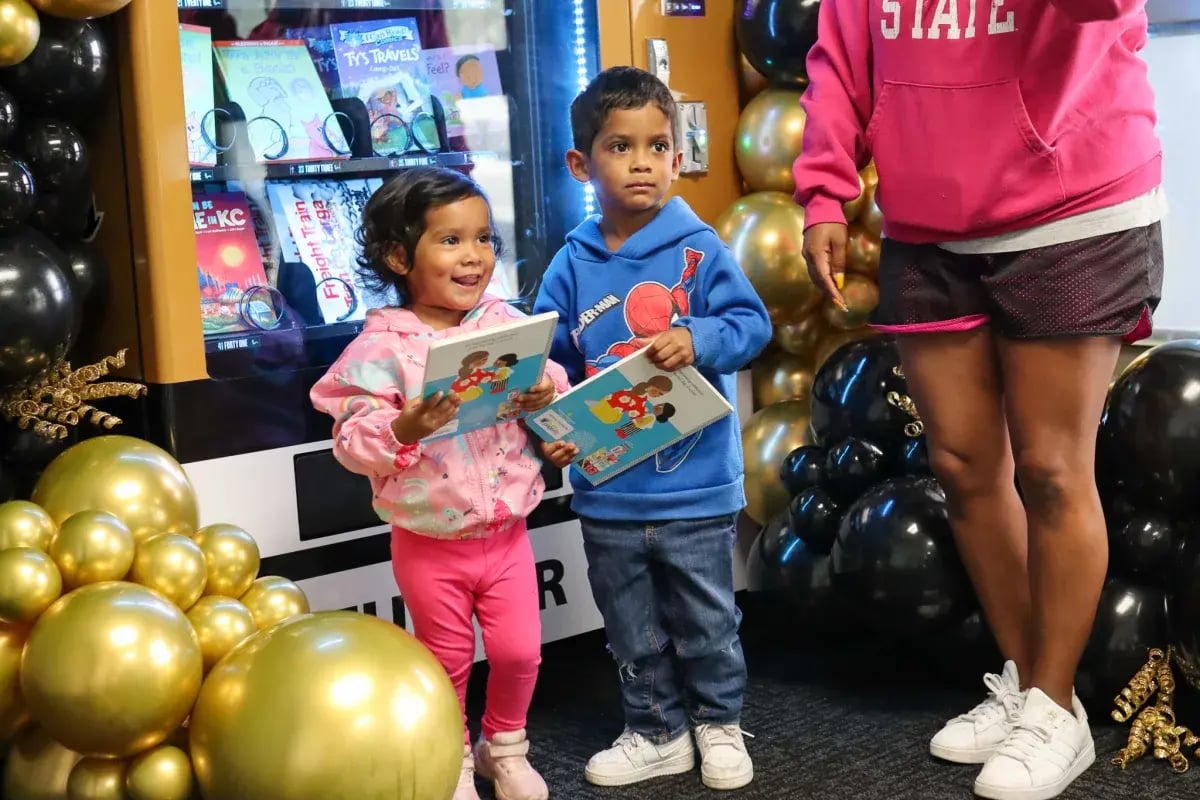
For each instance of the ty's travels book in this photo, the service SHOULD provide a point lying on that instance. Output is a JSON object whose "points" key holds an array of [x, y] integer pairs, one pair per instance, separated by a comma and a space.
{"points": [[627, 413], [487, 369]]}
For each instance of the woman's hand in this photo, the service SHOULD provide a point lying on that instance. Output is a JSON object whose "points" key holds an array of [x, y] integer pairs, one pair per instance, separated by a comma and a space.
{"points": [[825, 253], [560, 454], [418, 420], [538, 397]]}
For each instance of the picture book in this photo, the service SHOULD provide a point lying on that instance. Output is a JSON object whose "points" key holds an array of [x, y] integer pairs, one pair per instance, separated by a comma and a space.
{"points": [[379, 62], [487, 369], [460, 74], [288, 115], [627, 413], [227, 259], [320, 48], [195, 47]]}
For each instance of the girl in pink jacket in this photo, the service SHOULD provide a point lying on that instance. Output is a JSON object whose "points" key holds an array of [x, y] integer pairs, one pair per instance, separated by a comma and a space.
{"points": [[1019, 178], [457, 505]]}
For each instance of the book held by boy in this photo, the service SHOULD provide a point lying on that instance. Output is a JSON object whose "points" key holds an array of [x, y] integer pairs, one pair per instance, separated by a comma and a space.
{"points": [[624, 414], [487, 370]]}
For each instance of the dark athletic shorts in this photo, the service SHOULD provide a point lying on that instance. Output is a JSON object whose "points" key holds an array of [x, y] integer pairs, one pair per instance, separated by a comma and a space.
{"points": [[1102, 286]]}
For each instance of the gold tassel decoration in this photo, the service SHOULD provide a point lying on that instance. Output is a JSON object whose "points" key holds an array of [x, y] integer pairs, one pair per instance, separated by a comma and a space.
{"points": [[905, 403], [61, 396], [1155, 729]]}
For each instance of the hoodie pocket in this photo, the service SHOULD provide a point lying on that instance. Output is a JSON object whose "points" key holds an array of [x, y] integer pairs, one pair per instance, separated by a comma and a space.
{"points": [[960, 159]]}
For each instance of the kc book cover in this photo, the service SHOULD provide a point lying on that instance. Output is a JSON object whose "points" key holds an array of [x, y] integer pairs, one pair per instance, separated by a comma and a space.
{"points": [[627, 413], [227, 258], [487, 369]]}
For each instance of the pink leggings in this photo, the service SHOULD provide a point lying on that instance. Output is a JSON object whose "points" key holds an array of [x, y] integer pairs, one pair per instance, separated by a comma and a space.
{"points": [[443, 583]]}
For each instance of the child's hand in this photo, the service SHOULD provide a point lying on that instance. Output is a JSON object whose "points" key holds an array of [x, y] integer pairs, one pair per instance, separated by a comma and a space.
{"points": [[672, 349], [538, 396], [418, 420], [560, 454]]}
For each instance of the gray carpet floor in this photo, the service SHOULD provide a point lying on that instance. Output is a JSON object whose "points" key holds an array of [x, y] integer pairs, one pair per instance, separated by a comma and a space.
{"points": [[846, 720]]}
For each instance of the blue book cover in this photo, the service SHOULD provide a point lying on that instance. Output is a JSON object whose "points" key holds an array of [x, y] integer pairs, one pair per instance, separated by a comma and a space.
{"points": [[487, 369], [627, 413]]}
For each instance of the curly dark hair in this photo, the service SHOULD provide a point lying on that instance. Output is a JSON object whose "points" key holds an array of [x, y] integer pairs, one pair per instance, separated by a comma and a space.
{"points": [[394, 218], [616, 88]]}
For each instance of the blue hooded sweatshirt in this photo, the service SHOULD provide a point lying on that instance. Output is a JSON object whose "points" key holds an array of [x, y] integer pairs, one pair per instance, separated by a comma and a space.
{"points": [[595, 293]]}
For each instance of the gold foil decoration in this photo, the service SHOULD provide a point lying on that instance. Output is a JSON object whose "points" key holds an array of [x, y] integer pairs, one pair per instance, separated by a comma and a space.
{"points": [[906, 404], [1155, 729], [61, 396]]}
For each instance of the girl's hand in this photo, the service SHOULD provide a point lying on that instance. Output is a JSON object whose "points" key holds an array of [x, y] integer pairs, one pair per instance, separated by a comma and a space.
{"points": [[538, 397], [825, 252], [418, 420], [672, 349], [560, 454]]}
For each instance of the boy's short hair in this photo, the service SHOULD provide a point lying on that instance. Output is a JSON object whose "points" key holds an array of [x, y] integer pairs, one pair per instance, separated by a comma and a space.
{"points": [[616, 88]]}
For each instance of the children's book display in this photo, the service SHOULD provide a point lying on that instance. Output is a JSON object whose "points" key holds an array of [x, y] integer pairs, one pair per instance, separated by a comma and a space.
{"points": [[229, 265], [486, 370], [199, 94], [624, 414]]}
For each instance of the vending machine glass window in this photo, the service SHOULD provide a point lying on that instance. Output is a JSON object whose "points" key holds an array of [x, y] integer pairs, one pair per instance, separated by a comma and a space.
{"points": [[298, 110]]}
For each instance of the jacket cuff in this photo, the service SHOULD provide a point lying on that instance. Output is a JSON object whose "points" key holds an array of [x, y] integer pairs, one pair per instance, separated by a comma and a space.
{"points": [[822, 208]]}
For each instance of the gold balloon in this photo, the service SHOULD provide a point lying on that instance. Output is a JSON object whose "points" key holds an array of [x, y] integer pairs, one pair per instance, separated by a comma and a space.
{"points": [[781, 377], [111, 669], [862, 251], [769, 134], [800, 338], [135, 481], [37, 767], [29, 583], [12, 707], [97, 779], [232, 558], [767, 438], [25, 524], [92, 546], [221, 623], [164, 773], [861, 296], [871, 217], [273, 599], [80, 9], [836, 339], [173, 566], [765, 232], [360, 692], [20, 29]]}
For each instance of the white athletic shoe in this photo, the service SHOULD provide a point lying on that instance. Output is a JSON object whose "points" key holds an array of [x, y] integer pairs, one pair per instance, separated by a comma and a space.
{"points": [[971, 738], [633, 758]]}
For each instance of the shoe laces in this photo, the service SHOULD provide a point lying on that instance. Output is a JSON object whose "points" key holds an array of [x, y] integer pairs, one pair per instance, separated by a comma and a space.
{"points": [[1004, 699], [715, 735], [1027, 739], [630, 742]]}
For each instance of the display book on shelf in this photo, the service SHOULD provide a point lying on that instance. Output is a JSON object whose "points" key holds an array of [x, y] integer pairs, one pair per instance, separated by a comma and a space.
{"points": [[629, 412], [486, 370]]}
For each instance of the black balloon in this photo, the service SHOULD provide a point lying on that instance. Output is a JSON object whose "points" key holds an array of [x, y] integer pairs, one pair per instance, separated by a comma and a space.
{"points": [[1147, 442], [10, 120], [1130, 620], [852, 467], [8, 487], [18, 197], [27, 454], [64, 213], [56, 154], [914, 458], [776, 35], [1183, 620], [850, 395], [802, 468], [38, 319], [89, 273], [806, 580], [65, 75], [1143, 548], [814, 517], [895, 559], [771, 542]]}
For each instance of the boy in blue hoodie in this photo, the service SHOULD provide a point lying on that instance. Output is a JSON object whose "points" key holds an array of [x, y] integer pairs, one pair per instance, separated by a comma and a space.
{"points": [[659, 537]]}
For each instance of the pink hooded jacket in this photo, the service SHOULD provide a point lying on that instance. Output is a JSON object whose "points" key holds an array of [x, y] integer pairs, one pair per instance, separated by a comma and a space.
{"points": [[458, 487]]}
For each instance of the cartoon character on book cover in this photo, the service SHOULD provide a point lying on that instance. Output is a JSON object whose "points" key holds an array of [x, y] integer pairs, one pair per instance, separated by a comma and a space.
{"points": [[631, 410], [228, 262], [458, 74]]}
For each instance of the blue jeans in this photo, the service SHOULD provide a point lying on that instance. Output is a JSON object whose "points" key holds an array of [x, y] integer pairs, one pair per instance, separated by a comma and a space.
{"points": [[665, 591]]}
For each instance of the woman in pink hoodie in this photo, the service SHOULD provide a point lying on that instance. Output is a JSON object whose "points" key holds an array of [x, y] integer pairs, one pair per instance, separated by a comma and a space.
{"points": [[1019, 176]]}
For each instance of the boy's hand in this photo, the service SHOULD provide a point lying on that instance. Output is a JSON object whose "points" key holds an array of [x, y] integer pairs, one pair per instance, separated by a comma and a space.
{"points": [[538, 396], [825, 253], [672, 349], [418, 420], [560, 454]]}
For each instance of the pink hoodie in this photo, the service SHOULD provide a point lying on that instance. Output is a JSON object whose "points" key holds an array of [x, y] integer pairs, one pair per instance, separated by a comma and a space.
{"points": [[452, 488], [983, 116]]}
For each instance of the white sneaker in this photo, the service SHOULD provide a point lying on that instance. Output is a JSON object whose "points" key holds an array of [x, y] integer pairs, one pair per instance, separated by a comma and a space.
{"points": [[1048, 748], [971, 738], [724, 762], [466, 778], [634, 758]]}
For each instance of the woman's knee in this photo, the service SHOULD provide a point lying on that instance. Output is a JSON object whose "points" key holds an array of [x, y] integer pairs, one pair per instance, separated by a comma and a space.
{"points": [[1051, 478], [971, 470]]}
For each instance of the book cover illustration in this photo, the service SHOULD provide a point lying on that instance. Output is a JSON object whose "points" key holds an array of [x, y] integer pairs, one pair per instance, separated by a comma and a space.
{"points": [[379, 62], [320, 47], [321, 218], [487, 370], [627, 413], [199, 94], [458, 75], [227, 261], [288, 115]]}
